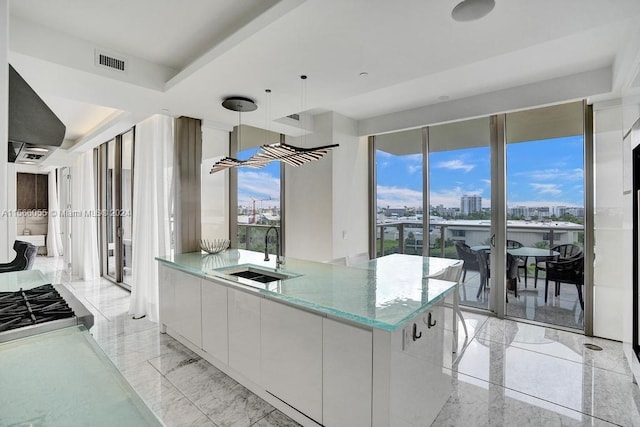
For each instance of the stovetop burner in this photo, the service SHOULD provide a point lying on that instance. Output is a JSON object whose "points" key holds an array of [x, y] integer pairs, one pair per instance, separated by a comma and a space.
{"points": [[31, 307]]}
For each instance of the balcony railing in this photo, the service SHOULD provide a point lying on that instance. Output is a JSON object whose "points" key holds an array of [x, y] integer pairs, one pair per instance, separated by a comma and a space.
{"points": [[251, 237], [407, 237]]}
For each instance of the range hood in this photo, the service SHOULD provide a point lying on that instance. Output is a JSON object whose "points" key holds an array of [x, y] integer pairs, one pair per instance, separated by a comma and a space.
{"points": [[34, 130]]}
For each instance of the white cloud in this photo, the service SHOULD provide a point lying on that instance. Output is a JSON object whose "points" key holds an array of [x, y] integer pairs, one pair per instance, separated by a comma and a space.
{"points": [[395, 197], [258, 185], [455, 164], [553, 174], [553, 189]]}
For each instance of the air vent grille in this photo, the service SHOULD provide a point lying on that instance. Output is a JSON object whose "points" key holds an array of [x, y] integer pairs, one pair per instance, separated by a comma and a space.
{"points": [[294, 117], [107, 60], [31, 156]]}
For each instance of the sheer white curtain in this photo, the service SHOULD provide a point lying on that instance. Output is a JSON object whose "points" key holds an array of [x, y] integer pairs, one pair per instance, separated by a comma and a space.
{"points": [[84, 229], [54, 239], [151, 236]]}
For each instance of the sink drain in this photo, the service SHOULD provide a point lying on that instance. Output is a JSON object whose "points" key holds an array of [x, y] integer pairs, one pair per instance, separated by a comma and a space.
{"points": [[593, 347]]}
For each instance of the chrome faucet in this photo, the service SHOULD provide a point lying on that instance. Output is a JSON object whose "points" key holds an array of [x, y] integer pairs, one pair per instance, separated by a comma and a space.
{"points": [[279, 261]]}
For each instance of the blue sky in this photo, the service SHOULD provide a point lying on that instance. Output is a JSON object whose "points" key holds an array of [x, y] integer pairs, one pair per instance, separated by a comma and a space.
{"points": [[261, 185], [539, 173]]}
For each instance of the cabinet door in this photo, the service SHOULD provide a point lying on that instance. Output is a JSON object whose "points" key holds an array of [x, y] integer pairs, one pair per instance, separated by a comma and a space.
{"points": [[244, 333], [347, 375], [166, 295], [214, 321], [292, 357], [188, 314]]}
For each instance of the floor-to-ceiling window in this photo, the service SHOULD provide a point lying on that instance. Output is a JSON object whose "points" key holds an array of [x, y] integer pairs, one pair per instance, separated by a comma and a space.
{"points": [[518, 176], [258, 192], [114, 172], [399, 193], [460, 202], [545, 193]]}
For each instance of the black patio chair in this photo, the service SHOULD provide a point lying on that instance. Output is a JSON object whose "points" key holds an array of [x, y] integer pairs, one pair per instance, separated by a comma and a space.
{"points": [[569, 271], [468, 255], [567, 251], [25, 256]]}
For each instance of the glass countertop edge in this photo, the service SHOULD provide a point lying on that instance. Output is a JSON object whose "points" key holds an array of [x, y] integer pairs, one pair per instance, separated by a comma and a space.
{"points": [[336, 313]]}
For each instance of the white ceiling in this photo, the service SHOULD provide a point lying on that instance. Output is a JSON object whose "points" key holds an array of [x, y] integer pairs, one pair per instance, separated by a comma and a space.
{"points": [[185, 57]]}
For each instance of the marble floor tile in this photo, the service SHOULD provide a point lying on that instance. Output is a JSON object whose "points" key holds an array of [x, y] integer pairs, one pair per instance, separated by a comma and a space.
{"points": [[478, 403], [574, 385], [275, 418]]}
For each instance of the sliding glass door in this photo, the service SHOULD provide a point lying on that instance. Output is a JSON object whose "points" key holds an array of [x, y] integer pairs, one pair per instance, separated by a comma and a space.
{"points": [[506, 194], [460, 203], [115, 189]]}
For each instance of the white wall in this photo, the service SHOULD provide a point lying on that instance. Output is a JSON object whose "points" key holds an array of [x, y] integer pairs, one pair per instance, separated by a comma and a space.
{"points": [[215, 187], [609, 266], [326, 200], [350, 189]]}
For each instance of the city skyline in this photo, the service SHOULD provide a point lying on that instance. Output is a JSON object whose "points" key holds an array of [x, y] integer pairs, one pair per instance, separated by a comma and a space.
{"points": [[539, 173]]}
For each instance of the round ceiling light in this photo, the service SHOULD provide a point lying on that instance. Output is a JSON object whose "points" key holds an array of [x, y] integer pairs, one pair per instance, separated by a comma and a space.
{"points": [[470, 10], [238, 103]]}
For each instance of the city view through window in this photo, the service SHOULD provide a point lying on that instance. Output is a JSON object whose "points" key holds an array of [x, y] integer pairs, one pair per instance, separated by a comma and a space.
{"points": [[258, 203], [544, 186]]}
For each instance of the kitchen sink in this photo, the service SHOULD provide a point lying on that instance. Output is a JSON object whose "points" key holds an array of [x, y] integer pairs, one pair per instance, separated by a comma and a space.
{"points": [[256, 273]]}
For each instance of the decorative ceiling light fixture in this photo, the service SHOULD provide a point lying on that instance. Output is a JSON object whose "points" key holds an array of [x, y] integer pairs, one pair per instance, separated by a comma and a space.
{"points": [[289, 154], [471, 10]]}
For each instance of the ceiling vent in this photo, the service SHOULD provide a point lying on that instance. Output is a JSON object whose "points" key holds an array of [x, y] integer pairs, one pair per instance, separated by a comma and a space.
{"points": [[294, 116], [107, 60]]}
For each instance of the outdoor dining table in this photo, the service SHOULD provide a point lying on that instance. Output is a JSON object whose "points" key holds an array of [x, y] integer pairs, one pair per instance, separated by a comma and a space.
{"points": [[524, 252]]}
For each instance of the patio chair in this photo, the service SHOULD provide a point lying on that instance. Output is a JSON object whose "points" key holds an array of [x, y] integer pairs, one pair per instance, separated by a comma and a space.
{"points": [[569, 271], [567, 251], [522, 261], [468, 255], [482, 260], [25, 256]]}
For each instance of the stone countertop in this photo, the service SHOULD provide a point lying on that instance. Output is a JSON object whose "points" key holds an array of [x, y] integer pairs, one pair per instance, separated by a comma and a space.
{"points": [[63, 378], [384, 293]]}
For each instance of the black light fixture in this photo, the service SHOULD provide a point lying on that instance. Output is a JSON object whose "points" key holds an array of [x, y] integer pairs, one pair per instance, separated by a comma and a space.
{"points": [[289, 154], [471, 10]]}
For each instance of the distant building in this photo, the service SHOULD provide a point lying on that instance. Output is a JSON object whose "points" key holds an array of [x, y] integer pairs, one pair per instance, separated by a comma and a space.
{"points": [[470, 204]]}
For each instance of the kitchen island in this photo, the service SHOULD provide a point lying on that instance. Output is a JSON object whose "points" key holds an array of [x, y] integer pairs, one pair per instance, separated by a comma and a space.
{"points": [[326, 344]]}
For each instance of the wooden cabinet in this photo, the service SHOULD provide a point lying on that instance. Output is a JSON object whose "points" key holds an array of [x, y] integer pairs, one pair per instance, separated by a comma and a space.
{"points": [[292, 357], [346, 374], [244, 333], [32, 191], [214, 321]]}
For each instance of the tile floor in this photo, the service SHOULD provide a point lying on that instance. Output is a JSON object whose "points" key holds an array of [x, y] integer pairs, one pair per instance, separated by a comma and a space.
{"points": [[563, 310], [508, 374]]}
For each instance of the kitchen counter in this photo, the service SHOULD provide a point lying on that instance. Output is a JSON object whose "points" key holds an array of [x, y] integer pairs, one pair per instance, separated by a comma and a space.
{"points": [[383, 293], [63, 378], [328, 345]]}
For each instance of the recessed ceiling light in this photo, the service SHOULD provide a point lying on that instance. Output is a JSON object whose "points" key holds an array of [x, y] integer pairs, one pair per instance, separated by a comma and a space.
{"points": [[364, 74], [470, 10]]}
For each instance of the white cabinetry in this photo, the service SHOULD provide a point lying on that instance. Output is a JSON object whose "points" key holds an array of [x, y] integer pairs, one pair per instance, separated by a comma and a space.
{"points": [[180, 304], [292, 357], [347, 374], [187, 318], [244, 333], [214, 321], [166, 295]]}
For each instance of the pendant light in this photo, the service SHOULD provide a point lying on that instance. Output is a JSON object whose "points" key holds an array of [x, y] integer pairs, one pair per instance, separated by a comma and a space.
{"points": [[289, 154]]}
